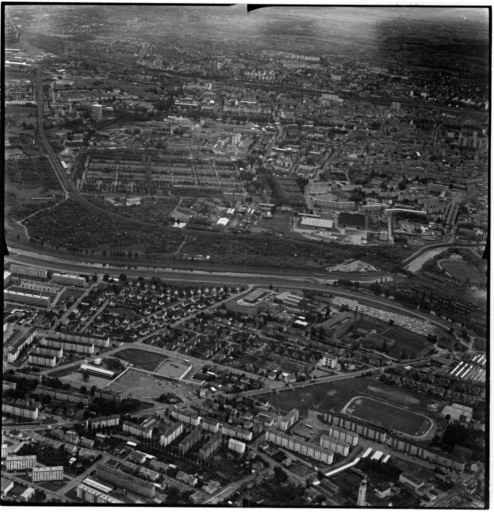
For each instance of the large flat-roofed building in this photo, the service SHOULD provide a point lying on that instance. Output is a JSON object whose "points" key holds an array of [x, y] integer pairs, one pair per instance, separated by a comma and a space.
{"points": [[28, 298], [69, 346], [339, 324], [289, 420], [47, 351], [101, 372], [189, 441], [68, 279], [108, 394], [22, 408], [344, 435], [90, 495], [63, 395], [20, 270], [236, 432], [19, 342], [109, 473], [236, 445], [313, 223], [330, 443], [38, 360], [171, 433], [255, 295], [20, 462], [187, 416], [355, 425], [299, 446], [104, 421], [97, 341], [47, 474], [210, 447], [137, 430]]}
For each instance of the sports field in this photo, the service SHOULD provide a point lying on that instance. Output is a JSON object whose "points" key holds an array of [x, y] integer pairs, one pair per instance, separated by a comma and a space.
{"points": [[142, 358], [333, 396], [386, 415], [462, 270]]}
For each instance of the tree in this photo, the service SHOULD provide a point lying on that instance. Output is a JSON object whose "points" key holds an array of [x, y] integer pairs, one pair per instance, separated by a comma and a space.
{"points": [[122, 278], [85, 375], [106, 278]]}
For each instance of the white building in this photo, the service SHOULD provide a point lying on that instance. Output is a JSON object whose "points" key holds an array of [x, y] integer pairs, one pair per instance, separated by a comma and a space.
{"points": [[47, 474], [236, 446]]}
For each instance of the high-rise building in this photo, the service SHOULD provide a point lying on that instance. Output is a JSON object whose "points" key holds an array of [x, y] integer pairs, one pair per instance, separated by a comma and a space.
{"points": [[362, 491], [97, 112]]}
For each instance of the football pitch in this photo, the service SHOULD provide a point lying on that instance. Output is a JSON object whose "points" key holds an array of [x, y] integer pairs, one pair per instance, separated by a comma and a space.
{"points": [[386, 415]]}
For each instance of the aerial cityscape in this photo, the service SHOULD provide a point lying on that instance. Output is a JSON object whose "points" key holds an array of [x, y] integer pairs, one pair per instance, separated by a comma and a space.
{"points": [[247, 256]]}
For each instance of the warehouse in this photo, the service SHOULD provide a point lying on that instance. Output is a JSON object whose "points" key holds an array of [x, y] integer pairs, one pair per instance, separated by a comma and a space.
{"points": [[98, 371], [313, 223]]}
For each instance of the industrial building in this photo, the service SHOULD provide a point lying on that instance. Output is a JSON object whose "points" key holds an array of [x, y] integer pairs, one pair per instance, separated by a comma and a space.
{"points": [[314, 223]]}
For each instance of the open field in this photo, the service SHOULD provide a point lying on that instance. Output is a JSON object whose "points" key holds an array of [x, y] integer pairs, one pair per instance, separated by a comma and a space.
{"points": [[386, 415], [462, 270], [141, 358], [77, 379], [71, 292], [137, 384], [327, 397]]}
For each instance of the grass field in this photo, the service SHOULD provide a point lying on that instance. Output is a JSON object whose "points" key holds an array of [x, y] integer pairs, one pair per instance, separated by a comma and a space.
{"points": [[72, 292], [141, 358], [386, 415], [462, 270]]}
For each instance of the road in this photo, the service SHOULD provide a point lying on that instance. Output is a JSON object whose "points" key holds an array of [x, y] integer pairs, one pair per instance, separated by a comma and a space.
{"points": [[51, 494], [442, 501]]}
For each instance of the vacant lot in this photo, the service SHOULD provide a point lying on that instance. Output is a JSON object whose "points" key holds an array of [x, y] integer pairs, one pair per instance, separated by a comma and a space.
{"points": [[141, 358], [386, 415]]}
